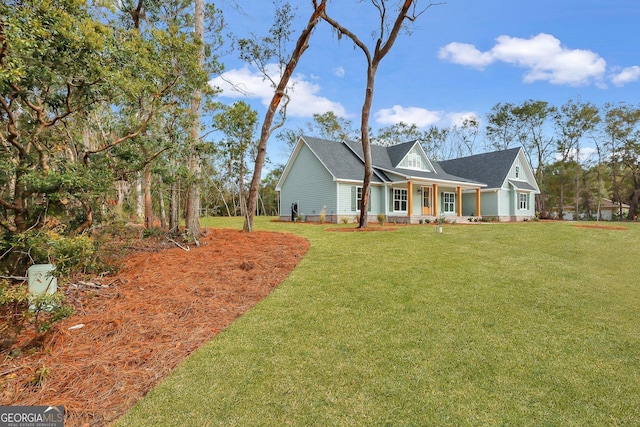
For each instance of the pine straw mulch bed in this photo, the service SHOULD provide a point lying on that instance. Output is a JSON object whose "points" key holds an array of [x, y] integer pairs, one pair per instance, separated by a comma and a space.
{"points": [[140, 324], [601, 227]]}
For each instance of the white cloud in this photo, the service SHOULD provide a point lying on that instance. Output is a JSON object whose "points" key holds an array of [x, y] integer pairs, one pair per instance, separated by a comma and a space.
{"points": [[421, 117], [305, 99], [627, 75], [411, 115], [339, 72], [465, 54], [543, 56]]}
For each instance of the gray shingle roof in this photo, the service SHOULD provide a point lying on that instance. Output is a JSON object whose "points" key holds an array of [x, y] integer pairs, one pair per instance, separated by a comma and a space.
{"points": [[341, 162], [385, 160], [490, 168], [344, 160], [522, 185]]}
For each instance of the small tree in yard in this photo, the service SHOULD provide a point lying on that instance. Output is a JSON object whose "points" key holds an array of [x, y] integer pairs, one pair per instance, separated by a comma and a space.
{"points": [[386, 36], [238, 124]]}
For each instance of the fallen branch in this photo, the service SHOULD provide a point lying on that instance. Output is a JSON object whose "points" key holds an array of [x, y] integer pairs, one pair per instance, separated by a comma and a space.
{"points": [[17, 278], [89, 285], [15, 368], [178, 244]]}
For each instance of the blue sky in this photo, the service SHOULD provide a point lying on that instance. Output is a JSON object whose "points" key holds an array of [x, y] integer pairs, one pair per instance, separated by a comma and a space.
{"points": [[461, 58]]}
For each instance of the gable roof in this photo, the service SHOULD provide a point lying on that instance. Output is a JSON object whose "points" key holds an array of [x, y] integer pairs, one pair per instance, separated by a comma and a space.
{"points": [[398, 152], [344, 161], [608, 204], [339, 160], [490, 168], [385, 159]]}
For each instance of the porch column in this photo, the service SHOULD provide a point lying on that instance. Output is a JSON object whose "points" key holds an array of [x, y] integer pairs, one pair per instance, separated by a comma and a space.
{"points": [[478, 202], [409, 199], [435, 200], [459, 197]]}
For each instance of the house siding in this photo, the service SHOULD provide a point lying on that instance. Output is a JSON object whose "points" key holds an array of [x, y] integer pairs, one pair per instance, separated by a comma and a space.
{"points": [[329, 193], [346, 202], [489, 204], [469, 204], [310, 185], [506, 204], [530, 211], [445, 189]]}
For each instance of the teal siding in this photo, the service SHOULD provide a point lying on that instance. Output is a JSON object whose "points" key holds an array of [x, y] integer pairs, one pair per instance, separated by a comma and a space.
{"points": [[443, 189], [489, 204], [469, 204], [377, 200], [344, 199], [506, 203], [347, 202], [310, 185], [530, 211]]}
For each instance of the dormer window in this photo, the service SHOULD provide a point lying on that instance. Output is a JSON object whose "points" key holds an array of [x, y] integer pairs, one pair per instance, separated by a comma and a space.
{"points": [[415, 161]]}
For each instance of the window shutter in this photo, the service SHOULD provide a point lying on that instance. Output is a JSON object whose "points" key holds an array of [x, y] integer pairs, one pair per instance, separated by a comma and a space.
{"points": [[390, 199], [369, 205], [354, 201]]}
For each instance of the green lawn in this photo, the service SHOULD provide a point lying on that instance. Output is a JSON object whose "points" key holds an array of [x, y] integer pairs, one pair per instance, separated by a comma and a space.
{"points": [[529, 324]]}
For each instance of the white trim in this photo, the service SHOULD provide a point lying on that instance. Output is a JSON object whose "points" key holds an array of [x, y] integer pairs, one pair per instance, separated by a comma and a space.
{"points": [[444, 204], [337, 199], [291, 161], [422, 180], [432, 169], [406, 200], [519, 201]]}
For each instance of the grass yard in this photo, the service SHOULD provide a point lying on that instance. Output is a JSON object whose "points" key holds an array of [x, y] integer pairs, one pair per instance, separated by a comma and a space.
{"points": [[529, 324]]}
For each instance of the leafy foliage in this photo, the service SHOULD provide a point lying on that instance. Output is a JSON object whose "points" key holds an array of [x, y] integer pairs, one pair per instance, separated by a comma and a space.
{"points": [[22, 312]]}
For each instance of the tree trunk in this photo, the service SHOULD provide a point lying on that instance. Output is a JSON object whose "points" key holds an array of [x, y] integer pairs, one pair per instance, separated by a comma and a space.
{"points": [[192, 214], [146, 187], [382, 48], [301, 46], [163, 211], [139, 199], [366, 145], [174, 207]]}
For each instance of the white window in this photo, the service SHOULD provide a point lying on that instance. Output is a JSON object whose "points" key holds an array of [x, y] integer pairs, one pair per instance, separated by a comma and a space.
{"points": [[449, 202], [523, 201], [400, 196], [517, 171], [359, 198], [415, 161]]}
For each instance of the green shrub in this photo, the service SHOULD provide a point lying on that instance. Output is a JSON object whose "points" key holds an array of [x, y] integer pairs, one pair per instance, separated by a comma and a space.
{"points": [[22, 312], [153, 232], [70, 254]]}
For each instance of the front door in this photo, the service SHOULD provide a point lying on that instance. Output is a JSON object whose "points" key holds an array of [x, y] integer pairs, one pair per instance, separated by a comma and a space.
{"points": [[426, 200]]}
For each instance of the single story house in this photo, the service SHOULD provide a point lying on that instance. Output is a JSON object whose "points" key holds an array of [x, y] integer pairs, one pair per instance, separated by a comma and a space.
{"points": [[323, 179], [608, 211]]}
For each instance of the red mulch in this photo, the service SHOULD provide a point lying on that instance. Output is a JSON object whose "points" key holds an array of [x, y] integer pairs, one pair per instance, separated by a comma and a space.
{"points": [[603, 227], [140, 324], [358, 229]]}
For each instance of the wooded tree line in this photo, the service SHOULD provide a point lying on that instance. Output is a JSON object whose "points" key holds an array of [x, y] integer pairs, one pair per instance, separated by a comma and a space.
{"points": [[580, 152], [100, 114]]}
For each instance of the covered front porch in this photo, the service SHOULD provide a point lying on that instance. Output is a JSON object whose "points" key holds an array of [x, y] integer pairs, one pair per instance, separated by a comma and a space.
{"points": [[414, 202]]}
